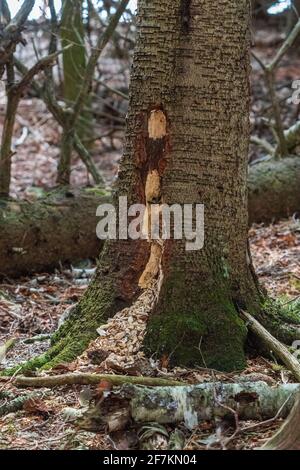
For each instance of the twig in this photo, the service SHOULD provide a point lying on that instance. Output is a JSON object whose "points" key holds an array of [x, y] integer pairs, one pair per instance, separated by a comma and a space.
{"points": [[87, 160], [285, 47]]}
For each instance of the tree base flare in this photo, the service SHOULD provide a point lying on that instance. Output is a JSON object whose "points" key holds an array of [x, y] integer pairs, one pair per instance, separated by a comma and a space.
{"points": [[197, 328]]}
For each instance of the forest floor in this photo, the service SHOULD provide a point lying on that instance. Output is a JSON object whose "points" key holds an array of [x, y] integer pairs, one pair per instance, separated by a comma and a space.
{"points": [[32, 305]]}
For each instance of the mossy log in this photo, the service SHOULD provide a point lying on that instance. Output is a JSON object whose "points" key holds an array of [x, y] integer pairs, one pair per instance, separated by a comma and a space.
{"points": [[274, 189], [37, 236], [196, 403]]}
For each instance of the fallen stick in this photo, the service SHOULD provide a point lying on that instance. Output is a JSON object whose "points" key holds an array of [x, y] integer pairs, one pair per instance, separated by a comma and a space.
{"points": [[280, 351], [91, 379]]}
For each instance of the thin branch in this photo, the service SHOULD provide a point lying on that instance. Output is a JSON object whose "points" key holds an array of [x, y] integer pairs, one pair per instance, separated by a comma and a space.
{"points": [[285, 47], [90, 68], [263, 143], [88, 161], [4, 9], [42, 64], [19, 19], [89, 379]]}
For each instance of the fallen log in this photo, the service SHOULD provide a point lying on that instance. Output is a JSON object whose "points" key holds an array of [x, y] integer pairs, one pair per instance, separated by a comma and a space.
{"points": [[37, 236], [274, 189], [193, 404]]}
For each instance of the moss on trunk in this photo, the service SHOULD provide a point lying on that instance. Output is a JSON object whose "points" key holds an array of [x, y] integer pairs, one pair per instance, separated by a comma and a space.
{"points": [[197, 327]]}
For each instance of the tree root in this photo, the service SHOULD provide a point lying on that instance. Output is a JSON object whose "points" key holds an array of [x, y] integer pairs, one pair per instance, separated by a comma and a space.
{"points": [[273, 344]]}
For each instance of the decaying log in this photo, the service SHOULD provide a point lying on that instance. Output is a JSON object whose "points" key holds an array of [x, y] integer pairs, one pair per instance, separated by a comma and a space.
{"points": [[37, 236], [194, 403], [274, 189], [288, 436]]}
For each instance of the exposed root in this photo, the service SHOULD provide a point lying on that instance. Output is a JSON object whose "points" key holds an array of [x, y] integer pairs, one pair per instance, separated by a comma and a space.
{"points": [[273, 345]]}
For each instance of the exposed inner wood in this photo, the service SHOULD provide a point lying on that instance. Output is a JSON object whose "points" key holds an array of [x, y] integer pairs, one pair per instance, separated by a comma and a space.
{"points": [[152, 188], [157, 129], [157, 124], [153, 266]]}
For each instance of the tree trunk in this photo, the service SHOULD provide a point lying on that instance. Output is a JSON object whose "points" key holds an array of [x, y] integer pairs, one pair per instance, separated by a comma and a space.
{"points": [[205, 96], [186, 142]]}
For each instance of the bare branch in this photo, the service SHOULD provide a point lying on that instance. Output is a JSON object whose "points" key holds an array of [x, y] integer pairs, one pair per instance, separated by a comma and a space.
{"points": [[90, 68], [285, 47], [263, 144]]}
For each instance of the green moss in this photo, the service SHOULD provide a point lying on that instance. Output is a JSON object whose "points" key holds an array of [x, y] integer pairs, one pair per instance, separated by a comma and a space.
{"points": [[281, 318], [197, 328], [98, 191], [283, 310]]}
